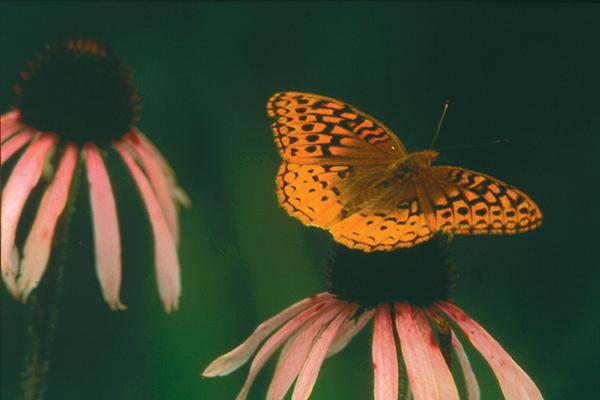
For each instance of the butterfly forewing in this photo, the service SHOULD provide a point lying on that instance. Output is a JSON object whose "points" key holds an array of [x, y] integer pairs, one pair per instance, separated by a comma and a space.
{"points": [[468, 202], [312, 129]]}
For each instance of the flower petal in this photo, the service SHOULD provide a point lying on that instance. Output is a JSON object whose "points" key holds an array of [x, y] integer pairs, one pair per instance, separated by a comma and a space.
{"points": [[349, 329], [310, 370], [159, 182], [165, 252], [235, 358], [275, 341], [441, 369], [470, 378], [428, 374], [22, 180], [177, 192], [106, 227], [39, 241], [10, 147], [10, 123], [385, 356], [514, 382], [293, 357]]}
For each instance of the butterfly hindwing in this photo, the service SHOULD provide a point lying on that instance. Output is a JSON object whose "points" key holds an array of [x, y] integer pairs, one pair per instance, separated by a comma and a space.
{"points": [[311, 193], [373, 230], [313, 129]]}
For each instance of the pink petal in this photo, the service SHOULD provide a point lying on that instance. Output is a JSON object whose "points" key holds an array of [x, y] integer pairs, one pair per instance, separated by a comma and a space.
{"points": [[39, 241], [275, 341], [165, 252], [385, 356], [10, 123], [235, 358], [514, 382], [23, 179], [349, 329], [10, 147], [293, 356], [440, 366], [177, 193], [310, 370], [470, 379], [106, 227], [428, 374], [159, 182]]}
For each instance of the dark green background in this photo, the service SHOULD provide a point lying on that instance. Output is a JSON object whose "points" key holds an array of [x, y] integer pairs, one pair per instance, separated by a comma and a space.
{"points": [[528, 73]]}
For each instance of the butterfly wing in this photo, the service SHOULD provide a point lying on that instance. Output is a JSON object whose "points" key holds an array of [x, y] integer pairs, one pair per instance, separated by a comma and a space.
{"points": [[468, 202], [312, 193], [454, 200], [325, 196], [373, 229], [313, 129]]}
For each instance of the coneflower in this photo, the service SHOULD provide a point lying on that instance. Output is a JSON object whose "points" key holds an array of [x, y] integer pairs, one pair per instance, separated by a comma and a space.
{"points": [[407, 293], [76, 101]]}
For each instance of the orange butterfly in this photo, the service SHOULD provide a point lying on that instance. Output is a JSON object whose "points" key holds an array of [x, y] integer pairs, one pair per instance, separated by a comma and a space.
{"points": [[346, 172]]}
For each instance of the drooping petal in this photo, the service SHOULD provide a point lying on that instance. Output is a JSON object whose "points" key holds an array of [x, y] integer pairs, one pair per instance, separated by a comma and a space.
{"points": [[39, 241], [385, 356], [106, 227], [349, 329], [310, 369], [22, 180], [165, 252], [425, 366], [8, 149], [177, 192], [441, 369], [514, 382], [471, 384], [278, 338], [235, 358], [10, 123], [159, 182], [293, 357]]}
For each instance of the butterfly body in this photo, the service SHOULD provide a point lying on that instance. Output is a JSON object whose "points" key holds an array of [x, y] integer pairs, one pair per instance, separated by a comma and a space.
{"points": [[346, 172]]}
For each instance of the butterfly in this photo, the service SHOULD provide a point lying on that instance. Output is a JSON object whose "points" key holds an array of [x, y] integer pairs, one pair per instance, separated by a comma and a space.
{"points": [[346, 172]]}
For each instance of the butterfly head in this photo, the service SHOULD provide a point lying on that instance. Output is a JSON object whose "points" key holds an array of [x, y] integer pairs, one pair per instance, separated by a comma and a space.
{"points": [[423, 158]]}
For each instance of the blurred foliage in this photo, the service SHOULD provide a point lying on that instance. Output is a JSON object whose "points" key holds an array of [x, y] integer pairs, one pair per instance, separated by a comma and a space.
{"points": [[526, 73]]}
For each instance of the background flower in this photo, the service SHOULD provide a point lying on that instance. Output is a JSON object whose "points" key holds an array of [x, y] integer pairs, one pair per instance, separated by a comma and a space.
{"points": [[77, 95]]}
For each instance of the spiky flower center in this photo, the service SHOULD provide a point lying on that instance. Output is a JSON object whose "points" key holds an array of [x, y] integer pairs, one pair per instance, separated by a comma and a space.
{"points": [[420, 275], [80, 90]]}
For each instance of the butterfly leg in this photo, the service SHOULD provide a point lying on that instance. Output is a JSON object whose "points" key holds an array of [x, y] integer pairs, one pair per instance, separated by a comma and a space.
{"points": [[426, 207]]}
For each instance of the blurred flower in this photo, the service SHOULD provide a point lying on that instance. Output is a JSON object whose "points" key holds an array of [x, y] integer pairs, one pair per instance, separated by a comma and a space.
{"points": [[76, 98], [417, 309]]}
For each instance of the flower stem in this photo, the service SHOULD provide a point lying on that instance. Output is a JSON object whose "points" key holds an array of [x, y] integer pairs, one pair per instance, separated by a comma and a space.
{"points": [[43, 307], [42, 325]]}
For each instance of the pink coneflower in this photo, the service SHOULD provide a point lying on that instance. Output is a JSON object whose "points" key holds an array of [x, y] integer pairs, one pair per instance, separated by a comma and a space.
{"points": [[75, 101], [406, 293]]}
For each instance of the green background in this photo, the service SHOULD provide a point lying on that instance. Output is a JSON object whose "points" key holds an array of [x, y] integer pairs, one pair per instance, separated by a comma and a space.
{"points": [[526, 73]]}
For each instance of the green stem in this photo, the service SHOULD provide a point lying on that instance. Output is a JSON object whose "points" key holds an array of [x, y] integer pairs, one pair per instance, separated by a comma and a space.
{"points": [[43, 313], [43, 308]]}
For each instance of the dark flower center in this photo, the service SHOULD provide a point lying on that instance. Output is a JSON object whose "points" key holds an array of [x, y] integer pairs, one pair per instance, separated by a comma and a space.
{"points": [[420, 275], [80, 90]]}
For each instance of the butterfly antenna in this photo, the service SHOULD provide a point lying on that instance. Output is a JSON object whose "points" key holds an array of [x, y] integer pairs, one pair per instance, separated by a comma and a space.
{"points": [[470, 146], [439, 126]]}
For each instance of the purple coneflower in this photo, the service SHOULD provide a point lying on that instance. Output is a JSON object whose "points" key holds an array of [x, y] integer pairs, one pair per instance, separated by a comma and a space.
{"points": [[75, 101], [407, 294]]}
